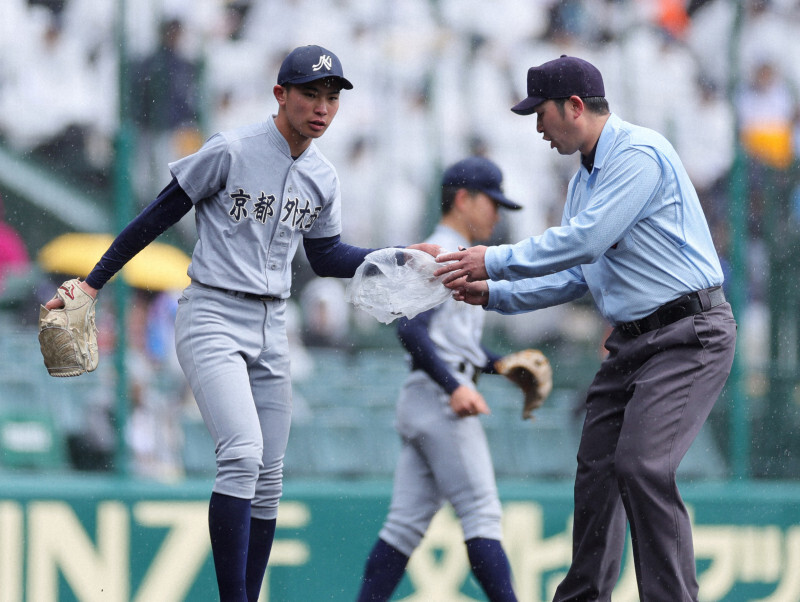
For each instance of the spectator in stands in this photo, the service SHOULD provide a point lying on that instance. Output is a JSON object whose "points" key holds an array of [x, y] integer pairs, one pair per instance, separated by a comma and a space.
{"points": [[710, 125], [165, 104], [14, 257], [766, 108]]}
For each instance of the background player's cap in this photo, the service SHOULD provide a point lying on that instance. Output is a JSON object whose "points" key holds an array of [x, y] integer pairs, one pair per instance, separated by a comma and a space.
{"points": [[561, 78], [308, 63], [478, 173]]}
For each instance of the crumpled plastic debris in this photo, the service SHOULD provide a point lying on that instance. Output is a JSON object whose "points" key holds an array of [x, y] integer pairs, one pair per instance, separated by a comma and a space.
{"points": [[393, 283]]}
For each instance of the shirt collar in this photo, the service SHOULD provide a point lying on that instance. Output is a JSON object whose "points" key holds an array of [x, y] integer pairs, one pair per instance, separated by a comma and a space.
{"points": [[606, 140], [280, 141], [588, 160], [442, 228]]}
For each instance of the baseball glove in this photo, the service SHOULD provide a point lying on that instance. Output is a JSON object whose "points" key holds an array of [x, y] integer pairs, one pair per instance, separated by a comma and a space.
{"points": [[530, 370], [68, 335]]}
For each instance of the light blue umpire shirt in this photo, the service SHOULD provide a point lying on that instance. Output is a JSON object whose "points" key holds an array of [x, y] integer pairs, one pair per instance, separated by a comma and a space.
{"points": [[632, 233]]}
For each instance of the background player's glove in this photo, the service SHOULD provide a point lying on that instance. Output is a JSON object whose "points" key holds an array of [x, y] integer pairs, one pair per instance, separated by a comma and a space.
{"points": [[68, 335], [530, 370]]}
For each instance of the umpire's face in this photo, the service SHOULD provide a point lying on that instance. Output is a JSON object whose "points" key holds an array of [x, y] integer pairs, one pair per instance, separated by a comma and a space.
{"points": [[558, 122]]}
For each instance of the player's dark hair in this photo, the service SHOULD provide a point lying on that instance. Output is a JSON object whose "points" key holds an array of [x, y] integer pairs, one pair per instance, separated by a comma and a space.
{"points": [[448, 198], [597, 105]]}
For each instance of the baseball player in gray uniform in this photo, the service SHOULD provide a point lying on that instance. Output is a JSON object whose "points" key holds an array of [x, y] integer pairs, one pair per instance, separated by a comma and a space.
{"points": [[445, 456], [257, 192]]}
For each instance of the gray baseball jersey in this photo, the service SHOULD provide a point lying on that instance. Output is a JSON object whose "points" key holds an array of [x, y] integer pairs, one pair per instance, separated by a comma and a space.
{"points": [[443, 457], [253, 203], [456, 328]]}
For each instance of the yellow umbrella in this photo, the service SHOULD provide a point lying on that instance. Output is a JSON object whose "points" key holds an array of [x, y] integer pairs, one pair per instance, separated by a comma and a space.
{"points": [[157, 267]]}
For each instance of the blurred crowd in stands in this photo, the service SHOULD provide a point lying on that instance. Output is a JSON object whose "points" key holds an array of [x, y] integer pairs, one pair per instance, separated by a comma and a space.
{"points": [[434, 81]]}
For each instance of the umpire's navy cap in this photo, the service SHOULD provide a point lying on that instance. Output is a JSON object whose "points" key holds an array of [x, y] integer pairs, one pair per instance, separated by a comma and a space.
{"points": [[561, 78], [478, 173], [308, 63]]}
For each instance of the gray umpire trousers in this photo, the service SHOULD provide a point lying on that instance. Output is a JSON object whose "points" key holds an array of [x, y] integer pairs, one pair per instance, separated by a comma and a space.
{"points": [[644, 409]]}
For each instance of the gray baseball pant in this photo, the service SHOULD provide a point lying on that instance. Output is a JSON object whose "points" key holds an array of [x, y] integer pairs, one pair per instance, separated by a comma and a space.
{"points": [[235, 355]]}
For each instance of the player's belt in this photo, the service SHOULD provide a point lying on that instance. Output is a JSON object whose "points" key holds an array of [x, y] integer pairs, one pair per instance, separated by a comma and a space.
{"points": [[238, 294], [464, 367], [680, 308]]}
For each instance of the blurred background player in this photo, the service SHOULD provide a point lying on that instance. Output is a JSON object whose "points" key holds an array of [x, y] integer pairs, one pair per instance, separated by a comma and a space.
{"points": [[445, 456], [257, 191]]}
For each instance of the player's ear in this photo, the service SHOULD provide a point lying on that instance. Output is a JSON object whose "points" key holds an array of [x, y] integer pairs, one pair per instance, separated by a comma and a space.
{"points": [[461, 198], [280, 94]]}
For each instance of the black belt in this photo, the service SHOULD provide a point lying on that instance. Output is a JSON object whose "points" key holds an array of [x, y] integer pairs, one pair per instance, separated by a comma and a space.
{"points": [[680, 308], [239, 294], [462, 367]]}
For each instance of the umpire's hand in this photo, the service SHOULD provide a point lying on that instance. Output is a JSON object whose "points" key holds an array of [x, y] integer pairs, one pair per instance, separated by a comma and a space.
{"points": [[474, 293], [469, 263]]}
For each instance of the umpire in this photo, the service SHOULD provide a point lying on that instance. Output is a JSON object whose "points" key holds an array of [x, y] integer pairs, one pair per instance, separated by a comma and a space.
{"points": [[634, 236]]}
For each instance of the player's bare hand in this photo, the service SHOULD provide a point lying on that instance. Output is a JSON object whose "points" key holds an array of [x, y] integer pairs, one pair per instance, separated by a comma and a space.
{"points": [[56, 302], [474, 293], [469, 263], [429, 248], [465, 401]]}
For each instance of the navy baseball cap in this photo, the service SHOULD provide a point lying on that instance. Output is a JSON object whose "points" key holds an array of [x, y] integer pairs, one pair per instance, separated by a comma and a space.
{"points": [[308, 63], [478, 173], [561, 78]]}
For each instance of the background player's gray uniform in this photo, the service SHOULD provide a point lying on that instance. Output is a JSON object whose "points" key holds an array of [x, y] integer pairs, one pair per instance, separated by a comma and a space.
{"points": [[443, 457], [253, 204]]}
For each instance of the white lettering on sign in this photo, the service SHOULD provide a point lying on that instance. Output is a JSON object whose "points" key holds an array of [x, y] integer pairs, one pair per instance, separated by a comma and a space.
{"points": [[97, 567], [183, 551], [730, 554], [58, 541], [11, 543], [45, 546]]}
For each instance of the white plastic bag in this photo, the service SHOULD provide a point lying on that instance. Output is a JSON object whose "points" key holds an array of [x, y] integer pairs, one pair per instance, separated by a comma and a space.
{"points": [[396, 282]]}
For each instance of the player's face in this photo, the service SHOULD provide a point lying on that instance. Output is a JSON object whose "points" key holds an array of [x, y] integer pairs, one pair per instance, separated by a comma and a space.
{"points": [[483, 215], [557, 126], [307, 109]]}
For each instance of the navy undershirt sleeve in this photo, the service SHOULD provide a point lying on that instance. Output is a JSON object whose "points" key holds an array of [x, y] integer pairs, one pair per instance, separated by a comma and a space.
{"points": [[492, 357], [169, 207], [414, 336], [329, 256]]}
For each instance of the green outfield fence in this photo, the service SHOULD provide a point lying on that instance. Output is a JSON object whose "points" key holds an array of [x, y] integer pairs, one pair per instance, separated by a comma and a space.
{"points": [[69, 534], [93, 538]]}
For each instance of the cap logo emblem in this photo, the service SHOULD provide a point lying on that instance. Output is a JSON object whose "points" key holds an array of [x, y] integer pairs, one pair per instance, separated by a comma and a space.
{"points": [[324, 61]]}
